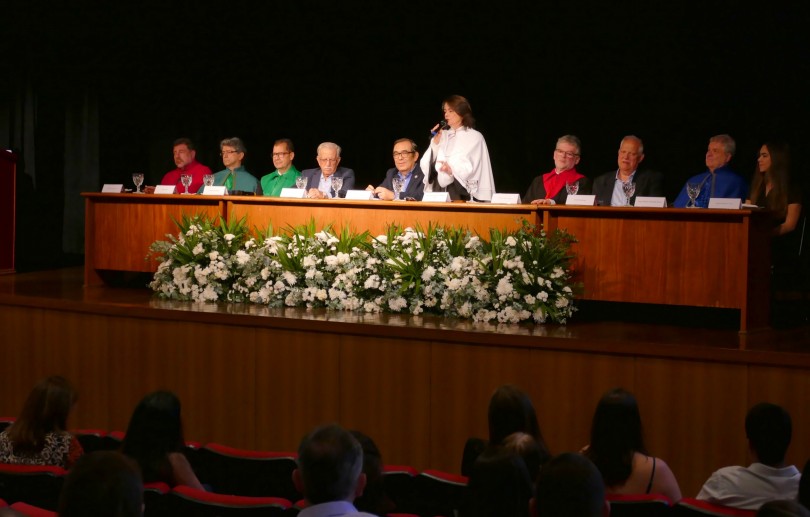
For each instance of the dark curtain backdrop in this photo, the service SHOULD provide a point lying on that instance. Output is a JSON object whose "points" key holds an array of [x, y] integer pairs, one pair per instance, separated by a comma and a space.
{"points": [[94, 94]]}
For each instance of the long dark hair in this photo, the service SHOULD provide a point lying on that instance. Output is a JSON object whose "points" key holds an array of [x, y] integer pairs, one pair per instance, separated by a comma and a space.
{"points": [[778, 175], [510, 411], [45, 411], [462, 107], [154, 431], [616, 436]]}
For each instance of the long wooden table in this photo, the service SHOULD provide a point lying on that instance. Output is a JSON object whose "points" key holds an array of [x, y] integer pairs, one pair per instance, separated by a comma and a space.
{"points": [[703, 258]]}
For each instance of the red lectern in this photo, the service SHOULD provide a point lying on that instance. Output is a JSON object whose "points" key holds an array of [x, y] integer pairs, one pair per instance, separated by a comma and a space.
{"points": [[8, 195]]}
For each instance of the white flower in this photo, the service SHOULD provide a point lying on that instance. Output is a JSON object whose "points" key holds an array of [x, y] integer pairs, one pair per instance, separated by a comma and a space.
{"points": [[561, 302], [504, 287], [242, 257], [510, 241], [542, 296], [289, 277], [213, 255], [428, 273], [309, 261], [397, 304], [198, 249], [229, 237]]}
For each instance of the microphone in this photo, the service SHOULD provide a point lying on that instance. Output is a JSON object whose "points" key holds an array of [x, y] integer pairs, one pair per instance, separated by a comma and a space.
{"points": [[442, 125]]}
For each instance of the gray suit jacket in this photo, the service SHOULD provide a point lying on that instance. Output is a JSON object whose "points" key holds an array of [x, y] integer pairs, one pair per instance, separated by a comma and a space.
{"points": [[313, 177]]}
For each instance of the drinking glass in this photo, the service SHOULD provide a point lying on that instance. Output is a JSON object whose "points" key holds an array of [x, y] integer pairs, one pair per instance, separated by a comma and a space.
{"points": [[397, 184], [337, 183], [185, 179], [472, 187], [629, 189], [137, 179], [572, 187], [300, 182], [693, 191], [208, 180]]}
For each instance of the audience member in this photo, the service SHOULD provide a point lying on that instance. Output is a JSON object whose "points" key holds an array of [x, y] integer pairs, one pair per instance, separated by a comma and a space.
{"points": [[457, 160], [406, 169], [154, 439], [525, 446], [569, 485], [102, 484], [617, 449], [609, 187], [39, 435], [319, 181], [550, 188], [374, 499], [330, 472], [804, 486], [769, 429], [783, 508], [185, 157], [510, 411], [285, 174], [719, 180], [234, 176], [499, 486]]}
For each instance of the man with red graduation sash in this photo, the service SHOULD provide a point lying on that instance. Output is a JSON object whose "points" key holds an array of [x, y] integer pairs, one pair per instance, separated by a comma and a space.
{"points": [[550, 188]]}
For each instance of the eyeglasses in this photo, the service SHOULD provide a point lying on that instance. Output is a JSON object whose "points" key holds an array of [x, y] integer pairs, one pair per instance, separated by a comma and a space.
{"points": [[402, 154], [567, 154], [279, 155], [223, 153]]}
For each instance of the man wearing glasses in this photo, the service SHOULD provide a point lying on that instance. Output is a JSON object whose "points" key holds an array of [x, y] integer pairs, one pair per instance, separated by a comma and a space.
{"points": [[550, 188], [319, 181], [235, 177], [407, 170], [285, 174]]}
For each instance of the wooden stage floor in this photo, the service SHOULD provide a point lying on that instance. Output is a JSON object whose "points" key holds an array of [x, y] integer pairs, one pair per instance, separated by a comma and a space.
{"points": [[599, 323]]}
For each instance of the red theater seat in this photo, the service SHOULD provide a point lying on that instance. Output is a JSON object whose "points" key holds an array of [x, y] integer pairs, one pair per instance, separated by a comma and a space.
{"points": [[183, 500], [30, 510], [641, 505], [691, 507], [35, 485]]}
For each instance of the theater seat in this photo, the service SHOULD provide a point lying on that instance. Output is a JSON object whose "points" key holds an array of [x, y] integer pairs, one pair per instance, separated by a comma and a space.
{"points": [[398, 483], [155, 499], [36, 485], [641, 505], [691, 507], [6, 421], [183, 500], [245, 472], [30, 510], [438, 493], [92, 439]]}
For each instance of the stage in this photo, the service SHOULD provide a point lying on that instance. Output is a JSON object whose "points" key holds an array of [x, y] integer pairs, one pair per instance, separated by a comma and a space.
{"points": [[259, 378]]}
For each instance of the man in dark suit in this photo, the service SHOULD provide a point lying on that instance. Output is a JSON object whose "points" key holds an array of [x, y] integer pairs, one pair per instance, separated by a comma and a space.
{"points": [[608, 186], [407, 169], [319, 181]]}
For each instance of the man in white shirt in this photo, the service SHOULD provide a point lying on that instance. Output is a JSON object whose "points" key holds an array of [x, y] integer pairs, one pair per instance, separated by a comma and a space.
{"points": [[768, 429], [330, 473]]}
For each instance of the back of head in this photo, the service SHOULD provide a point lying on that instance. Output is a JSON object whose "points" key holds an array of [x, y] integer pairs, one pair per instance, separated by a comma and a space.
{"points": [[569, 485], [784, 508], [154, 431], [499, 486], [102, 484], [769, 430], [529, 450], [374, 498], [46, 410], [615, 435], [510, 411], [330, 462]]}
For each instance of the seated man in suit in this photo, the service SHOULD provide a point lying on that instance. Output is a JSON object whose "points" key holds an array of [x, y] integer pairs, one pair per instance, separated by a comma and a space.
{"points": [[769, 429], [319, 181], [234, 176], [185, 157], [330, 472], [406, 168], [608, 186], [719, 180], [550, 188]]}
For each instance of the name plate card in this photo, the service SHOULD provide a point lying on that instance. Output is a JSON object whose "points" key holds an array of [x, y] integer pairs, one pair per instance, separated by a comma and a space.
{"points": [[651, 202], [581, 200], [112, 188], [436, 197], [165, 189], [505, 199], [212, 190], [360, 195], [725, 203], [293, 193]]}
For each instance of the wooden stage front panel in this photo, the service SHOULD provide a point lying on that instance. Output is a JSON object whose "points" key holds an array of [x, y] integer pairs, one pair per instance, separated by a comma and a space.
{"points": [[258, 378]]}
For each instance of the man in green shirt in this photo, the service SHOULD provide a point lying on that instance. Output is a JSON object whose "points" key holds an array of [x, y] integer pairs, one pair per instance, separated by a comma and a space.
{"points": [[285, 174], [234, 176]]}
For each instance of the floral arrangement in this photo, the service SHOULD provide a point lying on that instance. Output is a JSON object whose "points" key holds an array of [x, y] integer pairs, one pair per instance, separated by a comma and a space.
{"points": [[513, 276]]}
